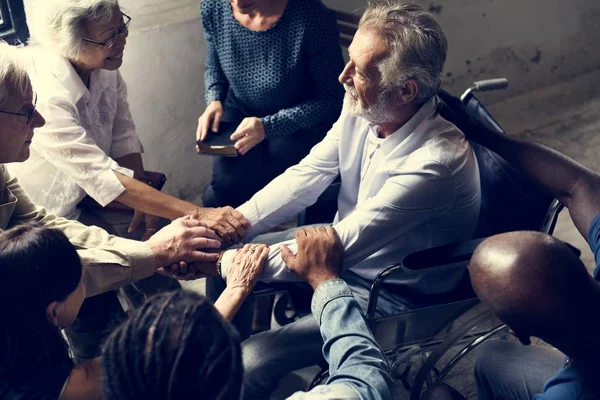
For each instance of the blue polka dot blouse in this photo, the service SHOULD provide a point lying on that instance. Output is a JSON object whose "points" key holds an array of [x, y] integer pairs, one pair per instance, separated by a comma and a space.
{"points": [[286, 75]]}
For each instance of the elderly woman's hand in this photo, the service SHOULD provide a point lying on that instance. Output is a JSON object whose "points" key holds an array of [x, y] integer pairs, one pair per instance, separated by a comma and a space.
{"points": [[245, 268], [209, 120], [242, 274], [248, 134]]}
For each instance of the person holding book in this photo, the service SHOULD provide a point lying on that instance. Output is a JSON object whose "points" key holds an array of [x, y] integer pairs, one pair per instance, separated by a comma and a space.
{"points": [[271, 68]]}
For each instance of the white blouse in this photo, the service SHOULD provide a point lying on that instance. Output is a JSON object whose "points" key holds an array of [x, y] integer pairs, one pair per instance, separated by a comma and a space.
{"points": [[73, 154]]}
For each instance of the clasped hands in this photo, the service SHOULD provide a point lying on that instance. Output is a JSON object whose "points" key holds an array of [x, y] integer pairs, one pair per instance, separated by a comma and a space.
{"points": [[319, 259]]}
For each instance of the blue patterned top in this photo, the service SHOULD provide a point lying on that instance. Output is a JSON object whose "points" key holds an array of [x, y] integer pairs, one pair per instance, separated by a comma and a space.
{"points": [[286, 75]]}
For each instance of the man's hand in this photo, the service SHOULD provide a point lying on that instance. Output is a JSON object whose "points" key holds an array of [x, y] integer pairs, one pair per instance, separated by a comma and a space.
{"points": [[209, 120], [229, 224], [248, 134], [319, 257], [181, 241]]}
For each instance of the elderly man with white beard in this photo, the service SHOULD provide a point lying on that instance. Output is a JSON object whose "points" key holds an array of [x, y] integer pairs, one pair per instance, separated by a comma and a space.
{"points": [[409, 181]]}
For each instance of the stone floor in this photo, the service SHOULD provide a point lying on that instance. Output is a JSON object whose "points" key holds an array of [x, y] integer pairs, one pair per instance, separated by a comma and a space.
{"points": [[565, 117]]}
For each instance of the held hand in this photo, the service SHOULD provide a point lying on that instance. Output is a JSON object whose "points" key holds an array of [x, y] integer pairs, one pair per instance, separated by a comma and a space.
{"points": [[248, 134], [319, 257], [246, 266], [181, 241], [228, 223], [151, 222], [189, 272], [209, 120]]}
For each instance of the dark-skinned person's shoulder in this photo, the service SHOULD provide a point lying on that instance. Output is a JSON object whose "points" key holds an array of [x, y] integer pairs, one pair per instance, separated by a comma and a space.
{"points": [[594, 242], [37, 385]]}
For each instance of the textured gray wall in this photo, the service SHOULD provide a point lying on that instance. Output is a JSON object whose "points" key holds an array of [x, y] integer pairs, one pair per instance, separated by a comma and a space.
{"points": [[532, 42]]}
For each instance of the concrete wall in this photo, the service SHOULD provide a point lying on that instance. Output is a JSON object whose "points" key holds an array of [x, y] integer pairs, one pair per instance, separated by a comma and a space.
{"points": [[163, 67], [533, 43]]}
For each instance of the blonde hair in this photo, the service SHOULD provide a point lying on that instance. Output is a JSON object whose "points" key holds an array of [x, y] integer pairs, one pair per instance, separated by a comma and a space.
{"points": [[60, 24], [13, 72]]}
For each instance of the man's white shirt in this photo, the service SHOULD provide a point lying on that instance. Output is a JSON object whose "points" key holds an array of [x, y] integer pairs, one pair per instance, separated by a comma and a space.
{"points": [[415, 189]]}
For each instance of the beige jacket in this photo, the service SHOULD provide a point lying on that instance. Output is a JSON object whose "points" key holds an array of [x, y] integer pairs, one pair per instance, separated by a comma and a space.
{"points": [[109, 261]]}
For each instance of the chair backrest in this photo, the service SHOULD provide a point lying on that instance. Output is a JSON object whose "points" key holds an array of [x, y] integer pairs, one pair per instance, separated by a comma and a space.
{"points": [[509, 200]]}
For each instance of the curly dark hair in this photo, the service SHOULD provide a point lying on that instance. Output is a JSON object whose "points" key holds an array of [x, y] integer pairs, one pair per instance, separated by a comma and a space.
{"points": [[176, 346]]}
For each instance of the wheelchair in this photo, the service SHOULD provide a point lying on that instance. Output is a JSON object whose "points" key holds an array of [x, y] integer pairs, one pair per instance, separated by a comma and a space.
{"points": [[432, 343]]}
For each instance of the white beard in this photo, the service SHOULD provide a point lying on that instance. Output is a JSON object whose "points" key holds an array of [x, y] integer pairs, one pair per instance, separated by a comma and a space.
{"points": [[378, 113]]}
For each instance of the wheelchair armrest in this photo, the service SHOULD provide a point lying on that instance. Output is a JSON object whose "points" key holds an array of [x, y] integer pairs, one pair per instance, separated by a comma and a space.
{"points": [[447, 256]]}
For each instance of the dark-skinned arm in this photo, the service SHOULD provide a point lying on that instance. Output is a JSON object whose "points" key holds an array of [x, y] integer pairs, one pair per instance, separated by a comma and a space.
{"points": [[575, 186]]}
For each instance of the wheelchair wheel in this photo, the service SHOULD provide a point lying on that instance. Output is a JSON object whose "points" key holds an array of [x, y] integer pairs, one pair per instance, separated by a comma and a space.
{"points": [[453, 360]]}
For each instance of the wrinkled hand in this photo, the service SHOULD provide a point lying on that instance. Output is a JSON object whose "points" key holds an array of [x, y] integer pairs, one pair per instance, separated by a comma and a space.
{"points": [[229, 224], [246, 266], [319, 257], [248, 134], [209, 120], [182, 240]]}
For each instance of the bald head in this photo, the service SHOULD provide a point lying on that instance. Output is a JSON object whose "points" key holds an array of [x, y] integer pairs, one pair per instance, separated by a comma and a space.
{"points": [[535, 283]]}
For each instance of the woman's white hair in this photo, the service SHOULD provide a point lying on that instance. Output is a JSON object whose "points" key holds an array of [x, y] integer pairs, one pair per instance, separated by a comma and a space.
{"points": [[59, 25], [13, 72]]}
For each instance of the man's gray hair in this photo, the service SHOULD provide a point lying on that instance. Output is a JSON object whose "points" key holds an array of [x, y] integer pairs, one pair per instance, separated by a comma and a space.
{"points": [[59, 25], [13, 72], [416, 41]]}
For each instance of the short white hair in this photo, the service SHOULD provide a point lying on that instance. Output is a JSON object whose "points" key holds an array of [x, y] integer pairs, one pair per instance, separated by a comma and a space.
{"points": [[417, 45], [59, 25], [13, 72]]}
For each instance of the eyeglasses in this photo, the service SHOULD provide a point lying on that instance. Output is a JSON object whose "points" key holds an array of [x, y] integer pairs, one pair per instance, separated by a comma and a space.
{"points": [[29, 114], [122, 31]]}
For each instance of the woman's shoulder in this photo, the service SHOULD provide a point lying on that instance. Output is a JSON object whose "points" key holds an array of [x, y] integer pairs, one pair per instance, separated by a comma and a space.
{"points": [[213, 10]]}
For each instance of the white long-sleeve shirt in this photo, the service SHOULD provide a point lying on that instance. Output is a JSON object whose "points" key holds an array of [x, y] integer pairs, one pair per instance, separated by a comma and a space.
{"points": [[73, 154], [416, 189]]}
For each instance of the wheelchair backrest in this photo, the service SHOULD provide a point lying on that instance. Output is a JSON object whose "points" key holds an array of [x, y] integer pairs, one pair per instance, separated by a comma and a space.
{"points": [[509, 200]]}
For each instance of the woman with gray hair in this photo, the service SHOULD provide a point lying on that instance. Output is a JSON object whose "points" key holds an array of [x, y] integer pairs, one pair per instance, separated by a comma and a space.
{"points": [[43, 259], [89, 144]]}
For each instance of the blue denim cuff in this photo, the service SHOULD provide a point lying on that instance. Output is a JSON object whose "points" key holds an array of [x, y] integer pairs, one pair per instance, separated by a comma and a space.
{"points": [[325, 293]]}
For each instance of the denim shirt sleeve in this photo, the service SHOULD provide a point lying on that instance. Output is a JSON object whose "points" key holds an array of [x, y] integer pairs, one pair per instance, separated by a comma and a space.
{"points": [[355, 360]]}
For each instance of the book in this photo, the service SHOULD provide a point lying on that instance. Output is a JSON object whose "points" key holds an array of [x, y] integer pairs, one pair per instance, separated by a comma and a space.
{"points": [[219, 144]]}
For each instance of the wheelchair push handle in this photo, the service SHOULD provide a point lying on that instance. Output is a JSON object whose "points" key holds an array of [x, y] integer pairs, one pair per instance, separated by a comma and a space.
{"points": [[490, 84]]}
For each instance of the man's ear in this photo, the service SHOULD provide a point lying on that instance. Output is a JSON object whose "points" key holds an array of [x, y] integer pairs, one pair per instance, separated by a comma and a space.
{"points": [[408, 92], [52, 312]]}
